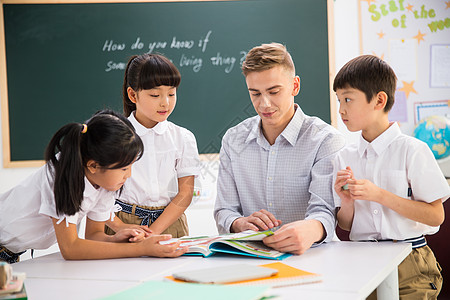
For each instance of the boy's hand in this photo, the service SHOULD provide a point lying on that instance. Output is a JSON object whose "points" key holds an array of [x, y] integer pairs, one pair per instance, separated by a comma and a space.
{"points": [[364, 189], [260, 220], [342, 179]]}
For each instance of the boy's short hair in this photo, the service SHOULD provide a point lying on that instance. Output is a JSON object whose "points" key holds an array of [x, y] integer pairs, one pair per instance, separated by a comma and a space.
{"points": [[267, 56], [370, 75]]}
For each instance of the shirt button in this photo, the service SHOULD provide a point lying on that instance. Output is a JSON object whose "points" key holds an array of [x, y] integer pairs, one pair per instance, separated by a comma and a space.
{"points": [[270, 178], [273, 152], [270, 204], [375, 211]]}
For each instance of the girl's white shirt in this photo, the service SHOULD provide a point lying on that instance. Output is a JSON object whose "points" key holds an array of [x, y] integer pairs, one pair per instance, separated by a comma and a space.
{"points": [[27, 208], [170, 152]]}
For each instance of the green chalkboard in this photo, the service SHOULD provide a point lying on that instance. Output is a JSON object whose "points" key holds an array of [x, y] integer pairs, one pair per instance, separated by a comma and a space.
{"points": [[66, 61]]}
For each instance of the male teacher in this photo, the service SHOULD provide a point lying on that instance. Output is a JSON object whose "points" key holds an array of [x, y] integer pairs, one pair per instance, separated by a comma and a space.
{"points": [[276, 168]]}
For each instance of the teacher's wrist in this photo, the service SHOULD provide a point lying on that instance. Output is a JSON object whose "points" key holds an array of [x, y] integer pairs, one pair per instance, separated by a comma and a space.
{"points": [[235, 225]]}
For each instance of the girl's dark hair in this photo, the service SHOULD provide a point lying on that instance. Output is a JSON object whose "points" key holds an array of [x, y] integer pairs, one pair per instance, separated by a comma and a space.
{"points": [[110, 140], [145, 72]]}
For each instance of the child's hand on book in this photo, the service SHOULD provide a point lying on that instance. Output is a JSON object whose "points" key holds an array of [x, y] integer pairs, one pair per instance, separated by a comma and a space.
{"points": [[154, 246]]}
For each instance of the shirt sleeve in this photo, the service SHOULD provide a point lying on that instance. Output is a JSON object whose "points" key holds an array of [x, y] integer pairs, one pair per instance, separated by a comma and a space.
{"points": [[426, 179], [338, 164], [104, 207], [227, 207], [189, 162], [321, 205]]}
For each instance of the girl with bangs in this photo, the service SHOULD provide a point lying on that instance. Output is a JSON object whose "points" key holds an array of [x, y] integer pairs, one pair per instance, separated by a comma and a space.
{"points": [[162, 184], [86, 165]]}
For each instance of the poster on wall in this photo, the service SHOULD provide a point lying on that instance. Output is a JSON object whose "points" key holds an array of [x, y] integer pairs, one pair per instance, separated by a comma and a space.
{"points": [[414, 38]]}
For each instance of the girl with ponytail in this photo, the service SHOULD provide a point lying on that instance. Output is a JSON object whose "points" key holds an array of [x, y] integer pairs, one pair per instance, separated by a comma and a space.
{"points": [[86, 165]]}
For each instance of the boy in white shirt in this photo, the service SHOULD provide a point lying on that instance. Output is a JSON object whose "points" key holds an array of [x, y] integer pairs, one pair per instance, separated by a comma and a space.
{"points": [[389, 186]]}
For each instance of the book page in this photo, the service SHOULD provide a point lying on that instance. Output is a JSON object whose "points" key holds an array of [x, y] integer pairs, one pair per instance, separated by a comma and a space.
{"points": [[201, 244], [252, 247]]}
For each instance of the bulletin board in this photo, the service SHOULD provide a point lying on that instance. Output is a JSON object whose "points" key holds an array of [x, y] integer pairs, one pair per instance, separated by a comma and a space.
{"points": [[414, 38]]}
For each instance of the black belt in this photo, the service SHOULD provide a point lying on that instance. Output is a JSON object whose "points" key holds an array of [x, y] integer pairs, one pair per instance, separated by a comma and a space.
{"points": [[145, 214], [9, 256]]}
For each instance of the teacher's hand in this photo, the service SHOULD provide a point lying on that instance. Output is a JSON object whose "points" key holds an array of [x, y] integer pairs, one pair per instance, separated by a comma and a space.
{"points": [[296, 237], [260, 220]]}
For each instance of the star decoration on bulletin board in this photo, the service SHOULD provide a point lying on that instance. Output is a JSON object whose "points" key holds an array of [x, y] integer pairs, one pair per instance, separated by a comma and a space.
{"points": [[447, 4], [408, 88], [419, 37], [381, 34], [409, 7]]}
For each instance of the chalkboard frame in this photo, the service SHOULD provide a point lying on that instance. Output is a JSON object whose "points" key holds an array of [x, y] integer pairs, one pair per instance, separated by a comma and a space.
{"points": [[5, 120]]}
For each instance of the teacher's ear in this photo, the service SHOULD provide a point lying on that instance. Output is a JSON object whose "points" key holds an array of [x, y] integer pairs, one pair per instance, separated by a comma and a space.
{"points": [[296, 89]]}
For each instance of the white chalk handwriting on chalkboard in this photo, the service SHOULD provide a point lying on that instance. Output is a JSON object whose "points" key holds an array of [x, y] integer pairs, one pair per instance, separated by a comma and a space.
{"points": [[194, 61]]}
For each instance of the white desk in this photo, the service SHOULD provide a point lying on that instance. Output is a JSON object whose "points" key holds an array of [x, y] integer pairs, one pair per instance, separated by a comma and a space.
{"points": [[350, 271]]}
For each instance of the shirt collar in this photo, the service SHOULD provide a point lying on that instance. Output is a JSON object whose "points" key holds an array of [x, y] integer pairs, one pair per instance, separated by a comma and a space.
{"points": [[382, 142], [290, 133], [141, 130], [292, 130], [89, 190], [255, 131]]}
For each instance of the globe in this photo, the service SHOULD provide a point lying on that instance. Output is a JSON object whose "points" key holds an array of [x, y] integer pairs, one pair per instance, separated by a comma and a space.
{"points": [[435, 131]]}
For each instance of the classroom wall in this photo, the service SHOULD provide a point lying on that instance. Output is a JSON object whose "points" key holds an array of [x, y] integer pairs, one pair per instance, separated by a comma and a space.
{"points": [[200, 213], [346, 47]]}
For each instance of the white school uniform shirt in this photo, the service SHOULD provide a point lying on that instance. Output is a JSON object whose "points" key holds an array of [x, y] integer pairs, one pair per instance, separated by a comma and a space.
{"points": [[402, 165], [26, 209], [170, 152]]}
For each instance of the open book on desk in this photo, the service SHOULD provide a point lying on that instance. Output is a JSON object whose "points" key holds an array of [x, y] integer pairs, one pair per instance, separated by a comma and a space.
{"points": [[247, 243]]}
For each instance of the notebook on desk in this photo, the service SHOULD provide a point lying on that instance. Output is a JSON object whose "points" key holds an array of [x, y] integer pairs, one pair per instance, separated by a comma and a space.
{"points": [[286, 276], [225, 274]]}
